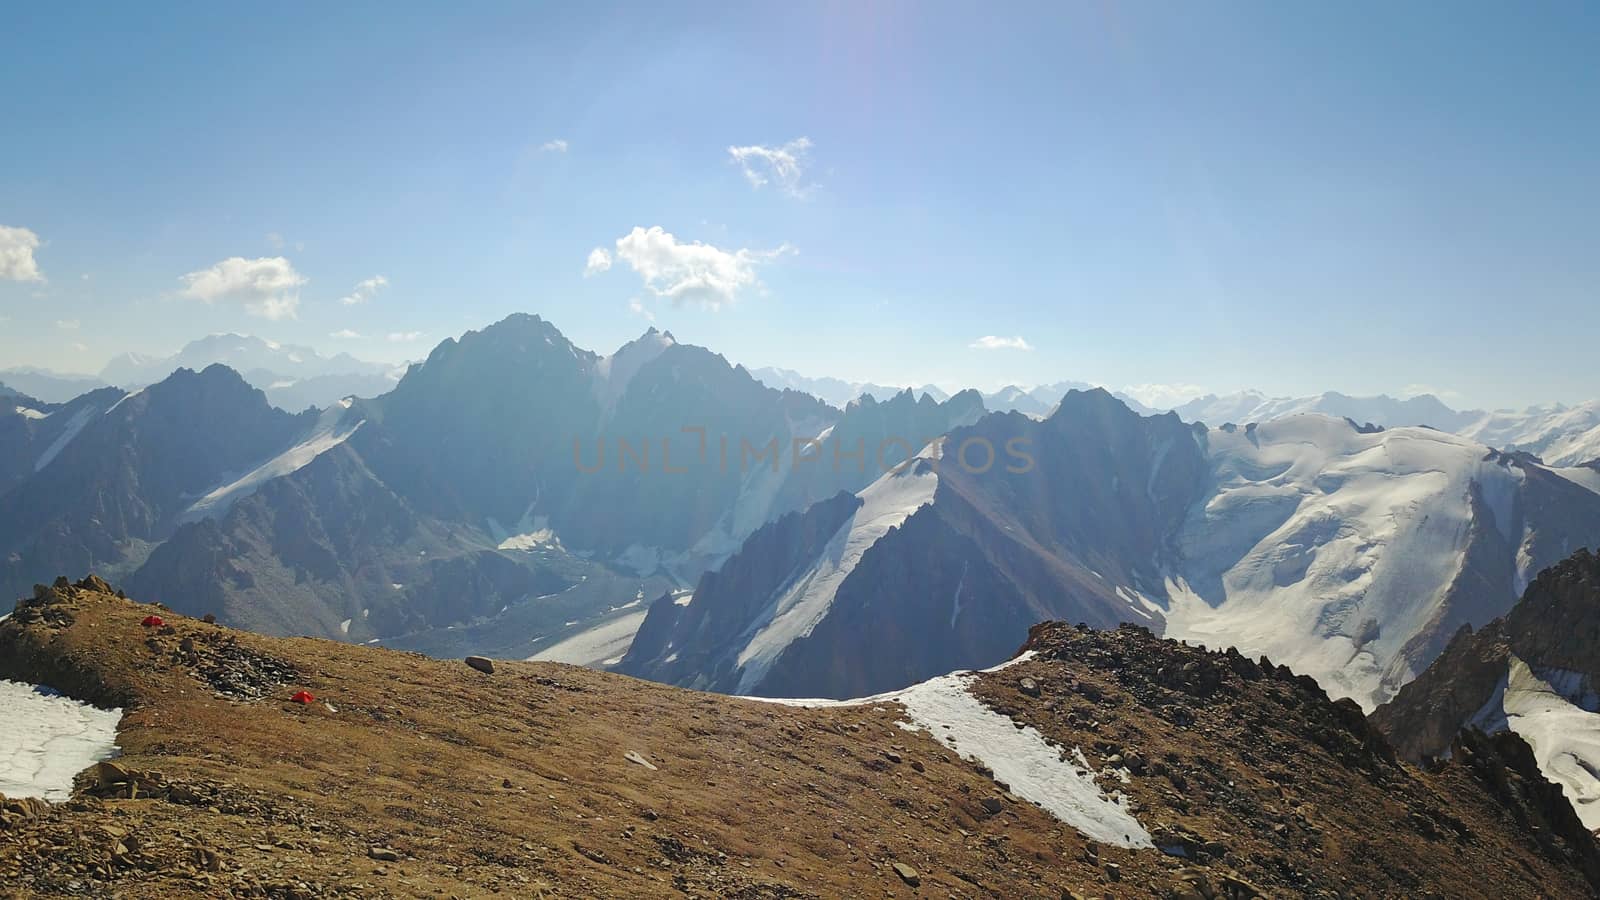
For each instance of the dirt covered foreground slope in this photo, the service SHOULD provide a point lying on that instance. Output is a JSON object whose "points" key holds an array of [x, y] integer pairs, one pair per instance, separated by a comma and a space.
{"points": [[410, 776]]}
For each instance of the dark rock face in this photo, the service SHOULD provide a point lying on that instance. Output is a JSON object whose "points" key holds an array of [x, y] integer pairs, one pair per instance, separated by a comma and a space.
{"points": [[1556, 625]]}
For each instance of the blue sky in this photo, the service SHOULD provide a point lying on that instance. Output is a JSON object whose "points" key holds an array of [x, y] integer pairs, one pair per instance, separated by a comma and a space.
{"points": [[1290, 196]]}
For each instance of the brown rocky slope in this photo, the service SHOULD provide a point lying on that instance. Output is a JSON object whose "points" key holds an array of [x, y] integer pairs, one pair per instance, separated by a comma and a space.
{"points": [[411, 776]]}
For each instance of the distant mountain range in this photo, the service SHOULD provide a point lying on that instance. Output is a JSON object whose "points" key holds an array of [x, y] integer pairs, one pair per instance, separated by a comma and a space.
{"points": [[293, 377], [1557, 434], [834, 391]]}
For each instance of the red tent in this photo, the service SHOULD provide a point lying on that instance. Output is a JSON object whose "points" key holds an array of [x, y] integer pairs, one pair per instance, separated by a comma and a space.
{"points": [[303, 697], [152, 622]]}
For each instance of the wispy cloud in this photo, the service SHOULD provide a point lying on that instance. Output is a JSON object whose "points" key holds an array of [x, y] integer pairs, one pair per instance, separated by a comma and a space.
{"points": [[16, 255], [992, 342], [365, 290], [637, 307], [404, 337], [555, 145], [1411, 391], [345, 334], [268, 287], [67, 324], [690, 272], [1164, 396], [783, 166]]}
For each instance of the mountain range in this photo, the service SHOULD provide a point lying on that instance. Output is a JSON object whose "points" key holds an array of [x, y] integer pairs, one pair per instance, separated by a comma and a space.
{"points": [[1351, 553], [665, 512]]}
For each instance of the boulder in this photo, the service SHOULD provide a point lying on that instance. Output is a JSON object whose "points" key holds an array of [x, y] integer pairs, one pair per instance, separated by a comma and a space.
{"points": [[907, 874]]}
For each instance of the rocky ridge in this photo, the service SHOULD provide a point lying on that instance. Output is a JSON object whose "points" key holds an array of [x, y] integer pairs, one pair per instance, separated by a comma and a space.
{"points": [[397, 775]]}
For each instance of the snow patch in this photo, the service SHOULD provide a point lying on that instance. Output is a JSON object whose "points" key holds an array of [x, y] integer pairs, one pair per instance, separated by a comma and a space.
{"points": [[1554, 710], [332, 428], [68, 432], [47, 739], [1020, 758], [593, 646]]}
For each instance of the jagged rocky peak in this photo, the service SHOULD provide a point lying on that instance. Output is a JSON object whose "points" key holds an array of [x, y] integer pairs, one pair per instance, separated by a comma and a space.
{"points": [[1533, 672]]}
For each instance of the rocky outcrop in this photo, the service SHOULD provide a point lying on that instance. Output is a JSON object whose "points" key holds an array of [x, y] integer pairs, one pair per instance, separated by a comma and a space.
{"points": [[1556, 626]]}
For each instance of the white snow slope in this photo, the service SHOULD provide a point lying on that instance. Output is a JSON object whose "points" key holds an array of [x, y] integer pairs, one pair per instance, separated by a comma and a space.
{"points": [[1328, 549], [332, 428], [604, 643], [1555, 712], [799, 606], [46, 740], [1019, 757], [1559, 435], [69, 431]]}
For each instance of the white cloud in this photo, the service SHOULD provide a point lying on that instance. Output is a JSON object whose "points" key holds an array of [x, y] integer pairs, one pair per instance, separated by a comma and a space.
{"points": [[599, 261], [404, 337], [81, 348], [992, 342], [637, 307], [1164, 396], [268, 287], [1411, 391], [556, 145], [67, 324], [784, 165], [345, 334], [365, 290], [275, 239], [16, 255], [691, 272]]}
